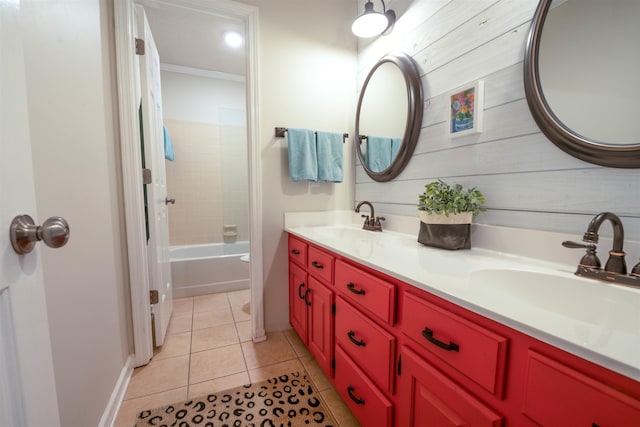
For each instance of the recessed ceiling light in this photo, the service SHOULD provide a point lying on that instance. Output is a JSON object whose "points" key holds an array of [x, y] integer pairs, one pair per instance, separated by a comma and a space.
{"points": [[233, 39]]}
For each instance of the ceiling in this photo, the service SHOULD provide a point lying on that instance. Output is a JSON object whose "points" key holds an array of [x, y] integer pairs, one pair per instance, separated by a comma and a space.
{"points": [[194, 39]]}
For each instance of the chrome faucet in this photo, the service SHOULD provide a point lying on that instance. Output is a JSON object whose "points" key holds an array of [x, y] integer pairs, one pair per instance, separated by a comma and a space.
{"points": [[371, 223], [615, 270]]}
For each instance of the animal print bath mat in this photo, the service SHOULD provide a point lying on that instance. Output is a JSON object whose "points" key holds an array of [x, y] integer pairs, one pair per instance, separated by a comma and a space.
{"points": [[284, 401]]}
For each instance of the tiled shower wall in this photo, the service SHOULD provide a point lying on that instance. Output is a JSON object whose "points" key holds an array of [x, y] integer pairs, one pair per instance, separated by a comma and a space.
{"points": [[528, 181], [208, 179]]}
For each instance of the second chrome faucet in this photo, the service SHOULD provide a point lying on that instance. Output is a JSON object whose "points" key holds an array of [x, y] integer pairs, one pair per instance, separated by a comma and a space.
{"points": [[371, 223]]}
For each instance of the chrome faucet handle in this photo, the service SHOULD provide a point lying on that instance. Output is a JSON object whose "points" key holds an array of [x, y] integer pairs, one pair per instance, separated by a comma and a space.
{"points": [[590, 259]]}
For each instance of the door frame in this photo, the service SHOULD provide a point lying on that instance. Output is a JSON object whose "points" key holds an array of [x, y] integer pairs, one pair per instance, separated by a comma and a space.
{"points": [[131, 159]]}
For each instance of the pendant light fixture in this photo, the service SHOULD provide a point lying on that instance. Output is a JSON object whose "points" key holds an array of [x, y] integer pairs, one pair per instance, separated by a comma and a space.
{"points": [[372, 23]]}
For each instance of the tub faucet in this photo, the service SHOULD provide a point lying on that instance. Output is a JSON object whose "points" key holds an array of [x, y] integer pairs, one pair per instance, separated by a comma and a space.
{"points": [[371, 223]]}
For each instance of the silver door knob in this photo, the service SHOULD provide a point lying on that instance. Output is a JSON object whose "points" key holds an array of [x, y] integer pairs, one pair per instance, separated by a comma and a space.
{"points": [[168, 200], [54, 232]]}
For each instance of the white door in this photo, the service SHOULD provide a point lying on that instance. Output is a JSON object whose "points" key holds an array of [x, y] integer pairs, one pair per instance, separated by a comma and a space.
{"points": [[27, 385], [153, 135]]}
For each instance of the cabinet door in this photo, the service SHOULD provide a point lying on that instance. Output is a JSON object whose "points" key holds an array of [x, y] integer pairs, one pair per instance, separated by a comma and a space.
{"points": [[298, 297], [426, 397], [320, 321]]}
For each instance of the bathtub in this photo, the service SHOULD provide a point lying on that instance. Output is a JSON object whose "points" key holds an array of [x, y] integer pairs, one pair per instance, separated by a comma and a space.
{"points": [[207, 269]]}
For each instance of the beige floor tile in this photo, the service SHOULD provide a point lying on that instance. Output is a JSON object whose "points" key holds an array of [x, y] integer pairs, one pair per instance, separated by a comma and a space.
{"points": [[159, 375], [244, 330], [174, 345], [240, 305], [286, 367], [208, 319], [239, 298], [218, 362], [130, 408], [297, 344], [210, 302], [217, 336], [275, 349], [339, 409], [219, 384], [319, 378], [179, 323], [183, 306]]}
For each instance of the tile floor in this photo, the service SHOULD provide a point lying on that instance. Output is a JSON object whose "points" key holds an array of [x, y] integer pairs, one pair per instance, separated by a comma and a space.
{"points": [[208, 348]]}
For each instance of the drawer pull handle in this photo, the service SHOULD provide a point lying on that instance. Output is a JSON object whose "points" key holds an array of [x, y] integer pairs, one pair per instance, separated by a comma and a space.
{"points": [[351, 336], [358, 400], [300, 295], [316, 264], [353, 289], [295, 251], [428, 334], [306, 301]]}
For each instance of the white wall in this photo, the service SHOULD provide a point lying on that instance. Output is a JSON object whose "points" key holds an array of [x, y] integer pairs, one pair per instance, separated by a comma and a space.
{"points": [[528, 181], [75, 155], [307, 80]]}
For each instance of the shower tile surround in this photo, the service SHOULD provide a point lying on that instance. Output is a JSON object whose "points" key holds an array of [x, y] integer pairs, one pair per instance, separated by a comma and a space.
{"points": [[209, 348], [209, 193]]}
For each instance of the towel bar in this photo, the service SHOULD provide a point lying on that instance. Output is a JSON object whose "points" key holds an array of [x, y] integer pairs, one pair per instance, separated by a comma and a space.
{"points": [[280, 131]]}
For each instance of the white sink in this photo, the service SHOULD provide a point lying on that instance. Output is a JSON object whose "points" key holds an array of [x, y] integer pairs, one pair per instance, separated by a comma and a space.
{"points": [[562, 294]]}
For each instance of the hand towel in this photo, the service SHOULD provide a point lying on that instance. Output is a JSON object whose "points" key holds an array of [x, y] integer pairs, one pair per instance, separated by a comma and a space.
{"points": [[329, 147], [168, 145], [378, 155], [396, 143], [303, 158]]}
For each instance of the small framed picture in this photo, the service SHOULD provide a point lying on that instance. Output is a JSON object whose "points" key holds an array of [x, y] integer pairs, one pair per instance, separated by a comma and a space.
{"points": [[465, 109]]}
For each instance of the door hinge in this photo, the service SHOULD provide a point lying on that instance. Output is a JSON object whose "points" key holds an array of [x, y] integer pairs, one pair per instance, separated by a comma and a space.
{"points": [[154, 297], [146, 176], [400, 365], [139, 47]]}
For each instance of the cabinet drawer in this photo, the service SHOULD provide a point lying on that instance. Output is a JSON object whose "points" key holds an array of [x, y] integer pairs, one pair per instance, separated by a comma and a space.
{"points": [[320, 264], [557, 394], [366, 291], [297, 251], [366, 402], [476, 352], [370, 347]]}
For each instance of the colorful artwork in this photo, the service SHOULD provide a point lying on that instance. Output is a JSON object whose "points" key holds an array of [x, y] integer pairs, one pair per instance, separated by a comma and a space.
{"points": [[465, 113]]}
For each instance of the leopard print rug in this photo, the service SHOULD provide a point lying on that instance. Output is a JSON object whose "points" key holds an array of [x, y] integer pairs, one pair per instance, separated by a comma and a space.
{"points": [[284, 401]]}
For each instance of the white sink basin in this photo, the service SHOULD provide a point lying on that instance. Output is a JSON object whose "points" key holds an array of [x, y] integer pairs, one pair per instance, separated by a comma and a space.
{"points": [[562, 294]]}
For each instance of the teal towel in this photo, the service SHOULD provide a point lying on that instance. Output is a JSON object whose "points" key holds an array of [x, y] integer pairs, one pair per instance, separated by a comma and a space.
{"points": [[378, 155], [329, 146], [395, 147], [168, 145], [303, 158]]}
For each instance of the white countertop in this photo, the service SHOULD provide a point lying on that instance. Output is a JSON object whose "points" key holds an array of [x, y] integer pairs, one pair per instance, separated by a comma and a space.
{"points": [[597, 321]]}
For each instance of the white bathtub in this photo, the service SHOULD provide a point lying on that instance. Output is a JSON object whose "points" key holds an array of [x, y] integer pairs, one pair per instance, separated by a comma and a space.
{"points": [[207, 269]]}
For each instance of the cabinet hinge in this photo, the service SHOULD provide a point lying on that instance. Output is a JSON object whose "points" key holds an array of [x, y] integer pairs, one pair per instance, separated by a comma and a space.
{"points": [[146, 176], [139, 47], [400, 365], [154, 297], [333, 309]]}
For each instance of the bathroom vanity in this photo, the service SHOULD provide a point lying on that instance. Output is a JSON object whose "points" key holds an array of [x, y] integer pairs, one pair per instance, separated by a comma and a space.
{"points": [[417, 336]]}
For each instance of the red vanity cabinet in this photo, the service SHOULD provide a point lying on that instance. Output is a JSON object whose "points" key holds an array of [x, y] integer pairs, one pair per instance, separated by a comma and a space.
{"points": [[311, 302], [405, 357]]}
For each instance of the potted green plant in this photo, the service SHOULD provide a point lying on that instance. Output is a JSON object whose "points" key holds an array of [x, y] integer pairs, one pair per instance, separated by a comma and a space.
{"points": [[446, 212]]}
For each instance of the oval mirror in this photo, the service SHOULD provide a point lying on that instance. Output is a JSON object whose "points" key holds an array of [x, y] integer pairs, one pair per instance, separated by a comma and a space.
{"points": [[579, 77], [389, 116]]}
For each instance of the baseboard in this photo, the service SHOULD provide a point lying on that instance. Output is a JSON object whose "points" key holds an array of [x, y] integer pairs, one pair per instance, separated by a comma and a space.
{"points": [[113, 407]]}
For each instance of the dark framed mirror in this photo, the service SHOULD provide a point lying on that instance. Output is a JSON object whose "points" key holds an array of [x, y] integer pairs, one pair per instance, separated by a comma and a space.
{"points": [[389, 116], [578, 73]]}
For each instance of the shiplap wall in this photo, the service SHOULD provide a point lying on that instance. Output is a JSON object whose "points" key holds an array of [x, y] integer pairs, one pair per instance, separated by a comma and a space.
{"points": [[528, 181]]}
